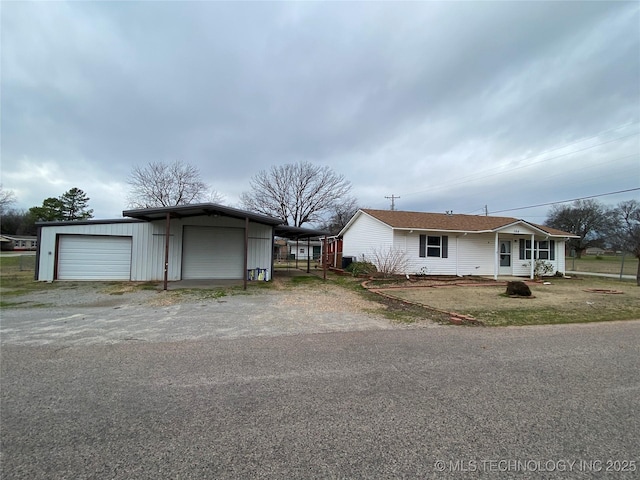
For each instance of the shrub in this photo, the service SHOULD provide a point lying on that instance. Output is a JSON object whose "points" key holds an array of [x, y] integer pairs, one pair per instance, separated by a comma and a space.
{"points": [[361, 268], [391, 261], [541, 268]]}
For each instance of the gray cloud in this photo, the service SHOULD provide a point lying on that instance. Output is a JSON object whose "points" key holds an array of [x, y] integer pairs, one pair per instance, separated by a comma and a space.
{"points": [[398, 97]]}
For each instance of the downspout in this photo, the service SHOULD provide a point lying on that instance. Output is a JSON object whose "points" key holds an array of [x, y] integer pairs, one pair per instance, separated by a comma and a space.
{"points": [[533, 255], [246, 252], [167, 233], [457, 275], [495, 259]]}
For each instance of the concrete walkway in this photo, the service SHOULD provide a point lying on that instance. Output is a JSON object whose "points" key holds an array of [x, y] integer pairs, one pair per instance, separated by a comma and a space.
{"points": [[607, 275]]}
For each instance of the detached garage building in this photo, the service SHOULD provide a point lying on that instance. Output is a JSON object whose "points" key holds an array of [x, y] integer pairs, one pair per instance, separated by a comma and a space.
{"points": [[205, 241]]}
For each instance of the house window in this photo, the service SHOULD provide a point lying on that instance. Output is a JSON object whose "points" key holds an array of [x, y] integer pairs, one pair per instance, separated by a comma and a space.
{"points": [[302, 250], [432, 246], [543, 249], [546, 250]]}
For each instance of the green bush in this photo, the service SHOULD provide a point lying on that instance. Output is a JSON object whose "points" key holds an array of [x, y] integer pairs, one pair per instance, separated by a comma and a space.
{"points": [[361, 268]]}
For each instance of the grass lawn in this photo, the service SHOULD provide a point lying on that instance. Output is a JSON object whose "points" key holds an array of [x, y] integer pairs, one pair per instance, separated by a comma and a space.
{"points": [[563, 301], [16, 277], [603, 264]]}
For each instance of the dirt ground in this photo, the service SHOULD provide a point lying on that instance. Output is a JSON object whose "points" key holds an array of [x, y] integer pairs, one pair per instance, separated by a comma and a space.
{"points": [[564, 299]]}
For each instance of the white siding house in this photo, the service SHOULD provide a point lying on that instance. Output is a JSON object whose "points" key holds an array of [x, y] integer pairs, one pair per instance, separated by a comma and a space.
{"points": [[305, 249], [447, 244], [205, 241]]}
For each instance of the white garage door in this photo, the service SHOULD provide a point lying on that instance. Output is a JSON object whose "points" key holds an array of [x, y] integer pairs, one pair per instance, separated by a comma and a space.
{"points": [[212, 252], [93, 257]]}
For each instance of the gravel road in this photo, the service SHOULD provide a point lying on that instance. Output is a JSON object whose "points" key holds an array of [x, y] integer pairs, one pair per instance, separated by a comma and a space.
{"points": [[85, 314]]}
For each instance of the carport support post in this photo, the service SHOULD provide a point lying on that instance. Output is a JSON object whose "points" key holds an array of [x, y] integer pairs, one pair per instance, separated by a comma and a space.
{"points": [[166, 250], [325, 258], [308, 254], [246, 251]]}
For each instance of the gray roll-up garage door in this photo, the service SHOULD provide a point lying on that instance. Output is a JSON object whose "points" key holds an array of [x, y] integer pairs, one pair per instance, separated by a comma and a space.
{"points": [[212, 252], [94, 257]]}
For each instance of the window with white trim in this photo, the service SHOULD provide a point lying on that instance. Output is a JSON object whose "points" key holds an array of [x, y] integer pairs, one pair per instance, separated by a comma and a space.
{"points": [[434, 246], [543, 249]]}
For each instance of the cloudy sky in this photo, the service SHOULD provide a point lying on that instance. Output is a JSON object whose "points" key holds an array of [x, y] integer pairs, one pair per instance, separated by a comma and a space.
{"points": [[448, 105]]}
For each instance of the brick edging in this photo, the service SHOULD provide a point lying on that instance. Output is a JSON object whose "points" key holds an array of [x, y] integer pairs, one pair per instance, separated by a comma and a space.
{"points": [[454, 317]]}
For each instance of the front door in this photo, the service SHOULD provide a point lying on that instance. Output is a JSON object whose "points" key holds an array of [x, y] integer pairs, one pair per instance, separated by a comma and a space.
{"points": [[505, 257]]}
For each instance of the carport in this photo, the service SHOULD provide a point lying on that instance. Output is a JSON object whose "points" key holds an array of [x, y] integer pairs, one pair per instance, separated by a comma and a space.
{"points": [[198, 210], [299, 233]]}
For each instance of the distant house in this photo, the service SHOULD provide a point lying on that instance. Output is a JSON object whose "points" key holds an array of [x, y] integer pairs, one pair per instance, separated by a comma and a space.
{"points": [[448, 244], [595, 251], [18, 242], [305, 250]]}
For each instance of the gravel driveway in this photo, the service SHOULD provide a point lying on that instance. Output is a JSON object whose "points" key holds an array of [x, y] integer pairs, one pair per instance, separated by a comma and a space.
{"points": [[84, 314]]}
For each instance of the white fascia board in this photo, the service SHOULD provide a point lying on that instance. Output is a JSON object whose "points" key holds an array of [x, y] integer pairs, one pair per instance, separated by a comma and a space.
{"points": [[440, 230], [533, 227]]}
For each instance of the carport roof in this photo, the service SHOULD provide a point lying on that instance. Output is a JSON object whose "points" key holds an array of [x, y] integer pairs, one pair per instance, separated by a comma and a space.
{"points": [[287, 231], [198, 209]]}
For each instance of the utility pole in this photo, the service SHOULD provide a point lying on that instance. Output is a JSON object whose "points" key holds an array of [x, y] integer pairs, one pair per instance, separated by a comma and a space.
{"points": [[392, 198], [486, 211]]}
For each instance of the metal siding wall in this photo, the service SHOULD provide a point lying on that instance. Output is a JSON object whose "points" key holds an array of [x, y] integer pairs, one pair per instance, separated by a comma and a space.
{"points": [[47, 248], [147, 254], [153, 240], [259, 255]]}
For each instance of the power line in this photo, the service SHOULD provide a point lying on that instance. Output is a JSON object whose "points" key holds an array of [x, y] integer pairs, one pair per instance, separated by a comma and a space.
{"points": [[474, 176], [565, 201]]}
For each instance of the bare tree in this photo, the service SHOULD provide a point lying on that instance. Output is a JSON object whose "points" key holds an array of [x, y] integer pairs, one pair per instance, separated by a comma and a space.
{"points": [[17, 222], [7, 198], [340, 215], [627, 233], [160, 184], [296, 193], [589, 219]]}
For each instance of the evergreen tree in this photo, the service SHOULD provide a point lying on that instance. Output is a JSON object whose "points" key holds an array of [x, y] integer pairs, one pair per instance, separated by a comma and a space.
{"points": [[50, 211], [71, 205], [75, 205]]}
